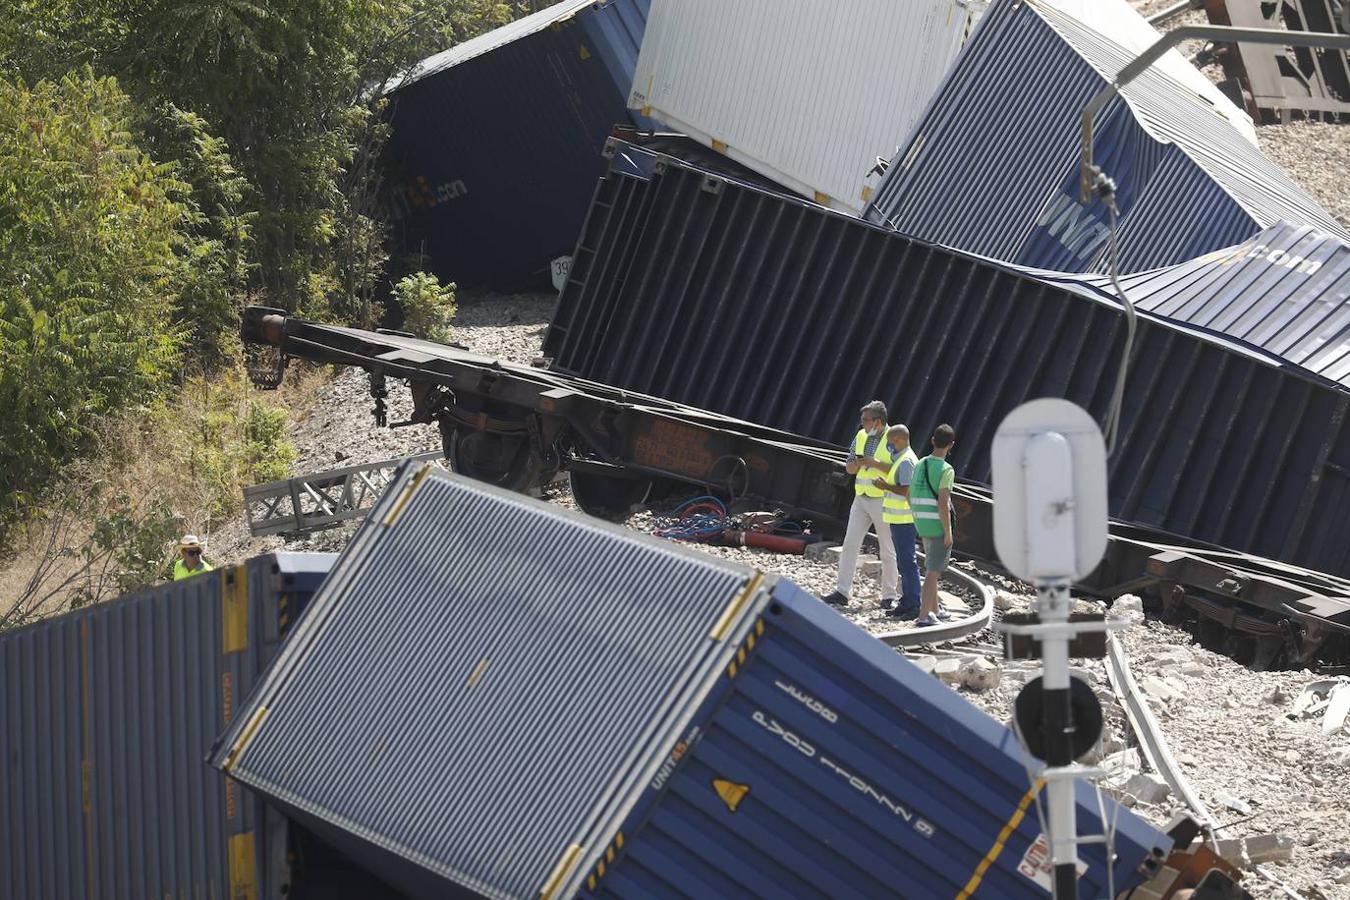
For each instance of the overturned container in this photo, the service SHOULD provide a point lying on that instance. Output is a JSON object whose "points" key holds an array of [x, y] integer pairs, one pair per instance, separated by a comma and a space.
{"points": [[992, 167], [494, 698], [710, 292], [494, 144], [809, 95], [106, 716]]}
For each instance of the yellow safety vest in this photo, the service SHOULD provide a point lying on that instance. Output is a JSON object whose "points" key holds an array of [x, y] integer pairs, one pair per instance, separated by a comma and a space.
{"points": [[862, 482], [181, 571], [895, 508]]}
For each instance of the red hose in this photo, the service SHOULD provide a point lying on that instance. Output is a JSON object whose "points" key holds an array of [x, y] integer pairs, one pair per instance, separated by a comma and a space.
{"points": [[775, 542]]}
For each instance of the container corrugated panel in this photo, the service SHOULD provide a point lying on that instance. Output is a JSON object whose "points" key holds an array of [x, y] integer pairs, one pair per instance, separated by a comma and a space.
{"points": [[106, 717], [992, 168], [823, 765], [808, 94], [714, 294], [495, 144], [1286, 290], [520, 700]]}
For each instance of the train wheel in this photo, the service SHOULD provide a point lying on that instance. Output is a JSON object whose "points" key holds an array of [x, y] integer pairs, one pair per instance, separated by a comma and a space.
{"points": [[608, 497]]}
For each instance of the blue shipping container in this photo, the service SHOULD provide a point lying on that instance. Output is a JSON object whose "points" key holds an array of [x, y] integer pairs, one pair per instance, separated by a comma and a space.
{"points": [[992, 167], [495, 144], [492, 697], [106, 715], [1285, 291]]}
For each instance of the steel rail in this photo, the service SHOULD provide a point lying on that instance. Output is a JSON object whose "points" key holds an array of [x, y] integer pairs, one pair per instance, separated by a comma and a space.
{"points": [[948, 631], [1156, 751]]}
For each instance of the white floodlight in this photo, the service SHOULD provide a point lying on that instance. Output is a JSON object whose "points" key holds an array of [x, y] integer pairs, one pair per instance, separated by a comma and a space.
{"points": [[1050, 515]]}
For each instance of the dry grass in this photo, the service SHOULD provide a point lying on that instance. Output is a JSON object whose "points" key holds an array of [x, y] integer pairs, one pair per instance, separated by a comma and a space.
{"points": [[148, 458]]}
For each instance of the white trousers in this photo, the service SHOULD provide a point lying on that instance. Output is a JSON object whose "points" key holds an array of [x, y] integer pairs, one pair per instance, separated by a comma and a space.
{"points": [[865, 513]]}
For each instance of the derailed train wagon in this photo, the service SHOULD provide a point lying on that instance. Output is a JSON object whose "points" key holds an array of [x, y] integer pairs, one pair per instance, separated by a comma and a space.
{"points": [[710, 292], [106, 715], [554, 706], [494, 144]]}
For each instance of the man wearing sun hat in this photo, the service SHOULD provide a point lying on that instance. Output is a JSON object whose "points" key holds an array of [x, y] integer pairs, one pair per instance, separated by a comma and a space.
{"points": [[189, 560]]}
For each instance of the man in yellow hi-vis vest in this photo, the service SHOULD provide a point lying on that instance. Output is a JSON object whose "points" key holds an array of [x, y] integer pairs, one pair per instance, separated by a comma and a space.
{"points": [[900, 519], [189, 560], [868, 459]]}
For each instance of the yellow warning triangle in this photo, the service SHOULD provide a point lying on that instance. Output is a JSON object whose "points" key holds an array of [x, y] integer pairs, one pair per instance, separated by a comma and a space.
{"points": [[585, 54], [730, 792]]}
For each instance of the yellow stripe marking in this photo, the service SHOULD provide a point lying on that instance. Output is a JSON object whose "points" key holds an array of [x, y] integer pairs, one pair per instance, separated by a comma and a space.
{"points": [[590, 882], [407, 494], [1009, 827], [243, 867], [618, 840], [560, 871], [609, 854], [478, 671], [719, 631], [234, 609], [249, 730]]}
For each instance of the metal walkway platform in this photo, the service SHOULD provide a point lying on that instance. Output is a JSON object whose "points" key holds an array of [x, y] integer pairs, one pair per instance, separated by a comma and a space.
{"points": [[314, 502]]}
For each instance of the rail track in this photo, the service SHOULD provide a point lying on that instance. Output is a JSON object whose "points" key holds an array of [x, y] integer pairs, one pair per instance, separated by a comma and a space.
{"points": [[1158, 756], [517, 426]]}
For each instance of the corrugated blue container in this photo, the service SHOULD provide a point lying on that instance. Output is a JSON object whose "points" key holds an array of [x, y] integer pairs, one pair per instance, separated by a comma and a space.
{"points": [[711, 293], [495, 144], [491, 697], [992, 167], [1286, 290], [106, 715]]}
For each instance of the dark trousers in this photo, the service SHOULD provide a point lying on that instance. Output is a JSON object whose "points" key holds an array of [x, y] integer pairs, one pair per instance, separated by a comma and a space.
{"points": [[903, 538]]}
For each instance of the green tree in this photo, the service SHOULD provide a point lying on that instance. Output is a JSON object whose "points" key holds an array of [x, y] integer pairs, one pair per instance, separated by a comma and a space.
{"points": [[90, 246]]}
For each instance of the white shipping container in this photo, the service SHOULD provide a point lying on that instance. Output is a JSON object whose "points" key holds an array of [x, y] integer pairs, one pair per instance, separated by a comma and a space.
{"points": [[809, 93]]}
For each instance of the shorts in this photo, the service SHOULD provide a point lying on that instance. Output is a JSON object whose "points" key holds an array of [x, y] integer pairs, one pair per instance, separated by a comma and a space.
{"points": [[936, 555]]}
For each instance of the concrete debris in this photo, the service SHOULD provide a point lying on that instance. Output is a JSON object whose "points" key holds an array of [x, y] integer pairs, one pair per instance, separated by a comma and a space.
{"points": [[822, 551], [1328, 698], [1236, 804], [1340, 758], [1148, 788], [1128, 608], [1169, 655], [1006, 601], [869, 565], [1122, 762], [1247, 852], [1161, 689], [979, 673], [948, 670], [925, 662]]}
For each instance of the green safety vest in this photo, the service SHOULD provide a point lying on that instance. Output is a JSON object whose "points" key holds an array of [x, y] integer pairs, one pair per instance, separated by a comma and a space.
{"points": [[862, 482], [895, 508], [181, 571], [923, 499]]}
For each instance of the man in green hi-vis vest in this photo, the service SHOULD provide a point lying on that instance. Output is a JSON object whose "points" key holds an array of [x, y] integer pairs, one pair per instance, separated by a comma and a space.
{"points": [[930, 496]]}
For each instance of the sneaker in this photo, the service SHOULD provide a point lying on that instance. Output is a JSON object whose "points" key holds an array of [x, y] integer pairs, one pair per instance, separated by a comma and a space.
{"points": [[904, 613], [836, 599], [888, 602], [926, 623]]}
